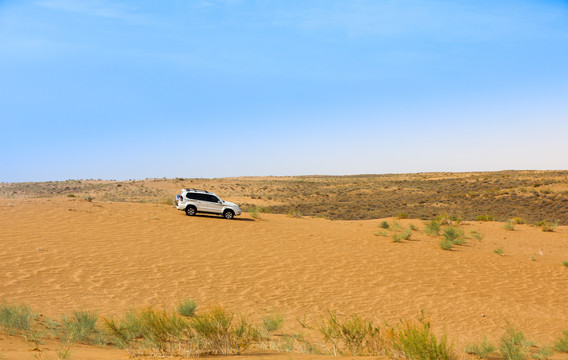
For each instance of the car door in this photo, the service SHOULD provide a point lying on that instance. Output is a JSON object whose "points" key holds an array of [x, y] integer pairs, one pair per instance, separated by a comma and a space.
{"points": [[215, 204]]}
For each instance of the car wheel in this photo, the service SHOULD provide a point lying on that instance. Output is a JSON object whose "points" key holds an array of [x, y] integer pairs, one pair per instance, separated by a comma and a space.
{"points": [[228, 214], [190, 210]]}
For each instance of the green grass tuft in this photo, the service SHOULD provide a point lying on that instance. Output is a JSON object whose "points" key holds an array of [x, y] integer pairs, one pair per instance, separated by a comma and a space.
{"points": [[514, 345], [482, 350], [416, 341], [384, 225], [499, 251], [547, 226], [509, 225], [484, 217], [16, 318], [187, 307], [432, 228], [272, 322], [561, 344], [80, 327]]}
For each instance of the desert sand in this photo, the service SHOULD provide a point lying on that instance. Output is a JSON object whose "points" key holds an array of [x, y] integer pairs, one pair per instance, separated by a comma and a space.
{"points": [[63, 254]]}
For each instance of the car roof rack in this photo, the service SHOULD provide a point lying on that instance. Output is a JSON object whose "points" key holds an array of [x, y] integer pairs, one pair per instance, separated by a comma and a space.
{"points": [[205, 191]]}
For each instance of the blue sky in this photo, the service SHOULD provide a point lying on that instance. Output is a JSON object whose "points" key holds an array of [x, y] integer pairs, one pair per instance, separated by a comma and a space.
{"points": [[216, 88]]}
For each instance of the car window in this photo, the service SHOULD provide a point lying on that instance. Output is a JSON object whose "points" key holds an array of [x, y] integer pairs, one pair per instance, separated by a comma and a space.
{"points": [[213, 198], [192, 196]]}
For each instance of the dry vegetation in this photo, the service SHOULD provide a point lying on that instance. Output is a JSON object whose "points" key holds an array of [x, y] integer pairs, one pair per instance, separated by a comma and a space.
{"points": [[532, 195]]}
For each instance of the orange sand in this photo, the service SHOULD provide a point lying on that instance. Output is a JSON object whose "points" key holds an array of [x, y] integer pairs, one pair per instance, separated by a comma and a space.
{"points": [[60, 255]]}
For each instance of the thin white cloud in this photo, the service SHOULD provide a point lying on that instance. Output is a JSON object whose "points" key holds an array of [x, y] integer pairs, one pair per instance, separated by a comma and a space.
{"points": [[98, 8]]}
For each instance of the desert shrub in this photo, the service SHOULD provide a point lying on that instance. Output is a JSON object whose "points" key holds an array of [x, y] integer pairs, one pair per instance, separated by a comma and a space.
{"points": [[482, 350], [295, 213], [402, 215], [509, 225], [80, 327], [484, 217], [404, 235], [416, 341], [353, 335], [514, 345], [543, 353], [547, 226], [432, 228], [255, 211], [71, 195], [384, 225], [446, 244], [396, 226], [561, 344], [157, 328], [444, 219], [454, 235], [216, 332], [89, 198], [381, 233], [518, 220], [272, 322], [565, 263], [413, 228], [499, 251], [166, 201], [187, 307], [16, 318]]}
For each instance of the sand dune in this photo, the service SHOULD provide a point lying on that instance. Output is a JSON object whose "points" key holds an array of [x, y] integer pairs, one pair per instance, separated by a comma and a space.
{"points": [[60, 255]]}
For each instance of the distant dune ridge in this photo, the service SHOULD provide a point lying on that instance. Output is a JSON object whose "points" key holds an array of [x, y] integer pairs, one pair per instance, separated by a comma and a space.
{"points": [[60, 253], [532, 195]]}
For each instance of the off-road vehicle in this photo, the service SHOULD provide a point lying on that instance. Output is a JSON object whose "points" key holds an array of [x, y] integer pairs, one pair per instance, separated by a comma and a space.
{"points": [[194, 201]]}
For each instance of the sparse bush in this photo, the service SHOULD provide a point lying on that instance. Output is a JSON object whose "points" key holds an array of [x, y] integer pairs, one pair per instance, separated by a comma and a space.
{"points": [[254, 212], [561, 344], [79, 327], [89, 198], [384, 225], [454, 235], [565, 263], [187, 307], [543, 353], [445, 244], [381, 233], [417, 341], [16, 318], [499, 251], [413, 228], [432, 228], [396, 226], [216, 332], [444, 219], [71, 195], [509, 225], [399, 236], [295, 213], [518, 220], [547, 226], [482, 350], [402, 216], [272, 322], [514, 345], [167, 201], [484, 217], [354, 335], [156, 328]]}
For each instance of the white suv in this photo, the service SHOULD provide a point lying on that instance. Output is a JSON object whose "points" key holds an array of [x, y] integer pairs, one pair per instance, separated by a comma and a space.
{"points": [[193, 201]]}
